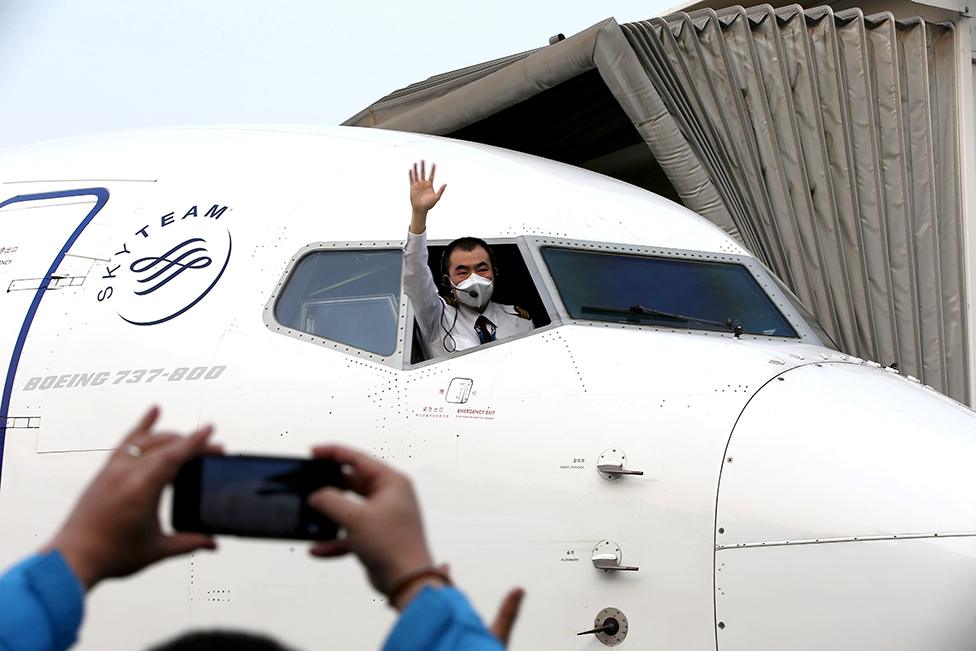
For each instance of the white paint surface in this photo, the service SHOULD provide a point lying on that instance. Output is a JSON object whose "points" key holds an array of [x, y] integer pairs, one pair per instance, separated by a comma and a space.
{"points": [[512, 498]]}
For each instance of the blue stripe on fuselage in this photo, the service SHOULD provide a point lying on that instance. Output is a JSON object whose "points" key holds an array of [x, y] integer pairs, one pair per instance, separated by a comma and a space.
{"points": [[101, 198]]}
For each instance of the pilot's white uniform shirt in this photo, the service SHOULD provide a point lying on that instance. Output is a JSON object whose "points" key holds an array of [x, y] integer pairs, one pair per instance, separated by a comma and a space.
{"points": [[447, 328]]}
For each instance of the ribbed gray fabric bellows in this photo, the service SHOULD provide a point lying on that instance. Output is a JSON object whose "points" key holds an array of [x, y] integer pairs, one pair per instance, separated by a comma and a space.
{"points": [[826, 142]]}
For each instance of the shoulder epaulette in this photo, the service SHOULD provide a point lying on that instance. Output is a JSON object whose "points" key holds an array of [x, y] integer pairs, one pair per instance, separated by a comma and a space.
{"points": [[522, 312]]}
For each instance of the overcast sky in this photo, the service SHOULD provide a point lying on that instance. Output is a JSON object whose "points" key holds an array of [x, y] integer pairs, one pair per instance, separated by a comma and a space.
{"points": [[72, 67]]}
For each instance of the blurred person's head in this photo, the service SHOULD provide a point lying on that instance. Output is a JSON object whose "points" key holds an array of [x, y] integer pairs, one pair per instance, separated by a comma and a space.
{"points": [[221, 641]]}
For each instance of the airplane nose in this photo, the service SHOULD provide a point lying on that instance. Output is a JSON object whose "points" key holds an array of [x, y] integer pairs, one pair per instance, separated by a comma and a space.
{"points": [[846, 516]]}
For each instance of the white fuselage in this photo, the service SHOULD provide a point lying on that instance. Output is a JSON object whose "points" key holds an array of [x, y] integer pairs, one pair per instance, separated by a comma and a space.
{"points": [[792, 496]]}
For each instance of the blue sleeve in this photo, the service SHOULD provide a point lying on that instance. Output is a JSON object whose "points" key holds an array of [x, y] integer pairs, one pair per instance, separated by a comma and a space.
{"points": [[440, 620], [41, 603]]}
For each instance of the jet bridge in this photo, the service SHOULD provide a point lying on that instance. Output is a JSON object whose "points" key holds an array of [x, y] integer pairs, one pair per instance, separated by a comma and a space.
{"points": [[837, 144]]}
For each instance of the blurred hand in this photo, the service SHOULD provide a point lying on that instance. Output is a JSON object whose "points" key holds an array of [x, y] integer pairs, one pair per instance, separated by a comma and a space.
{"points": [[384, 530], [507, 614], [114, 529]]}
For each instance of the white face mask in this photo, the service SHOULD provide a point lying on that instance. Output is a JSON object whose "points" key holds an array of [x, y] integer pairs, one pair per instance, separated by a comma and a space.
{"points": [[474, 291]]}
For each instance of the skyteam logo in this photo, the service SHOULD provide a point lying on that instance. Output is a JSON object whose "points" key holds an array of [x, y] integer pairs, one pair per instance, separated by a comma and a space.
{"points": [[167, 267], [160, 271]]}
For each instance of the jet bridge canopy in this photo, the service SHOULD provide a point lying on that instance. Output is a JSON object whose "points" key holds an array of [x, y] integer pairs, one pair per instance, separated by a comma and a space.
{"points": [[826, 141]]}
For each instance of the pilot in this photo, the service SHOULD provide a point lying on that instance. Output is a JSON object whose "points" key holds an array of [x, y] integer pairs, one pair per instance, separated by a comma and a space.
{"points": [[466, 316]]}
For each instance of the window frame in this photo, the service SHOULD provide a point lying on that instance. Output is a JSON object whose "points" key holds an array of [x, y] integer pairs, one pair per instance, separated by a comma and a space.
{"points": [[530, 247], [760, 274], [404, 343]]}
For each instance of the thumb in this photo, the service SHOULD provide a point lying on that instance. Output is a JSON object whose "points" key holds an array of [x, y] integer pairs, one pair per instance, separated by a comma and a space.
{"points": [[330, 548], [441, 191], [332, 503], [507, 614], [185, 543]]}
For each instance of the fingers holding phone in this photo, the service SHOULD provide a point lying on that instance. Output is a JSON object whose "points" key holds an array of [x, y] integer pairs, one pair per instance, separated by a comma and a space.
{"points": [[276, 497], [383, 525], [114, 528]]}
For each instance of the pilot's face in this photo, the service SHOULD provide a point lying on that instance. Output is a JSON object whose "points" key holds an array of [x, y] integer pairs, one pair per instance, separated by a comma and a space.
{"points": [[464, 263]]}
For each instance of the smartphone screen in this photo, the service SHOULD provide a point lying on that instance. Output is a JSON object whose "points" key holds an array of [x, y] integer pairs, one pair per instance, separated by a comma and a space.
{"points": [[262, 497]]}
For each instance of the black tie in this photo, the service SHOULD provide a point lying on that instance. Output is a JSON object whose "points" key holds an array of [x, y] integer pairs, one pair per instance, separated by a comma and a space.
{"points": [[485, 329]]}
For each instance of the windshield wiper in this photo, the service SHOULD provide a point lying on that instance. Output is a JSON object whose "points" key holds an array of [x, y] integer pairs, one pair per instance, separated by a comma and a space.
{"points": [[635, 311]]}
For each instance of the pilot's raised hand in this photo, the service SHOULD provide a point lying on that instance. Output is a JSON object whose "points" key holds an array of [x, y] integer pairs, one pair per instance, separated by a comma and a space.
{"points": [[114, 528], [423, 197]]}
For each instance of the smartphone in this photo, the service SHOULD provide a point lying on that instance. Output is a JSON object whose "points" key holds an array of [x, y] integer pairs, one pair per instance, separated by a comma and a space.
{"points": [[263, 497]]}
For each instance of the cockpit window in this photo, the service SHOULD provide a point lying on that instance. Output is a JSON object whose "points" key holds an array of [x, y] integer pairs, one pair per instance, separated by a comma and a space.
{"points": [[670, 292], [352, 297]]}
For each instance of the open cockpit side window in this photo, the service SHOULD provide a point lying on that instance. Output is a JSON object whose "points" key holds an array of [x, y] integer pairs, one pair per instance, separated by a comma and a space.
{"points": [[514, 286], [513, 283]]}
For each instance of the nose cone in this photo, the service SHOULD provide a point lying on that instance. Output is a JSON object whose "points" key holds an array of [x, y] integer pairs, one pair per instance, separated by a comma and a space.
{"points": [[847, 516]]}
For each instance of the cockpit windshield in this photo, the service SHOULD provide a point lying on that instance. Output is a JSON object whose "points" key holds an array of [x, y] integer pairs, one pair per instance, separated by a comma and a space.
{"points": [[670, 292]]}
